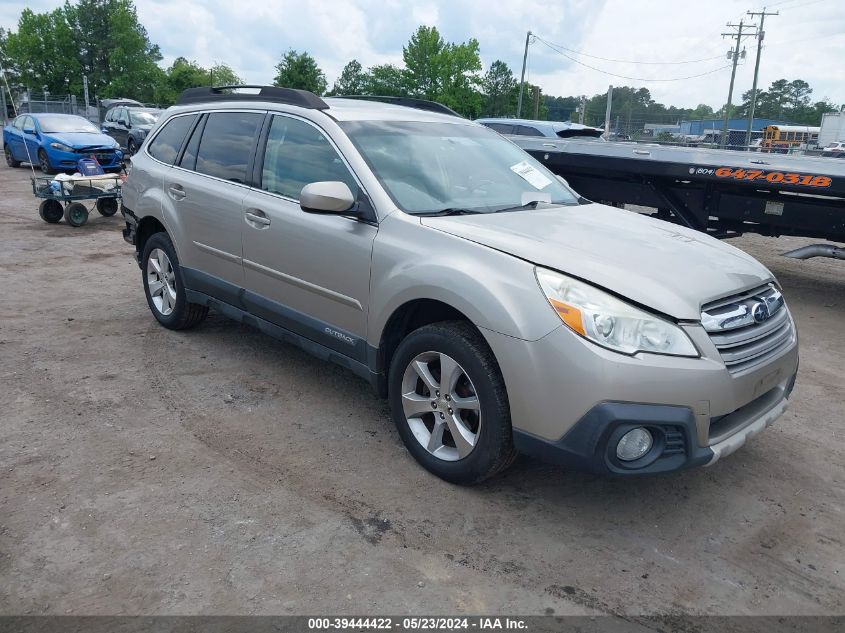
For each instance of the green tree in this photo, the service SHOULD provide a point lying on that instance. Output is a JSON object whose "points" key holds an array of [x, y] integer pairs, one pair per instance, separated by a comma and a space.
{"points": [[102, 39], [498, 84], [222, 75], [384, 80], [352, 80], [442, 71], [425, 58], [300, 70]]}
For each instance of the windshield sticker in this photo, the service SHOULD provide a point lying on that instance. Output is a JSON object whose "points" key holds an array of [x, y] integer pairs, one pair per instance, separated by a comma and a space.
{"points": [[531, 175]]}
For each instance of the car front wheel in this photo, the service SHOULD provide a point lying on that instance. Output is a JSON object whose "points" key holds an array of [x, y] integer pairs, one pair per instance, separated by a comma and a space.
{"points": [[164, 288], [449, 403], [44, 163], [131, 148]]}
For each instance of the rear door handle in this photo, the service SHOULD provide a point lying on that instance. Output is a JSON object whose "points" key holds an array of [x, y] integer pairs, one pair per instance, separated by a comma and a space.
{"points": [[257, 218], [176, 192]]}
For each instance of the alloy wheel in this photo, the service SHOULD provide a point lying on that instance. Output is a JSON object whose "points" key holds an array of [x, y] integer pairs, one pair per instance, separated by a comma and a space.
{"points": [[161, 281], [441, 406]]}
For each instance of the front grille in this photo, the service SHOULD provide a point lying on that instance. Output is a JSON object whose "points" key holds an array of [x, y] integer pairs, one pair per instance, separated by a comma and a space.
{"points": [[103, 157], [750, 328]]}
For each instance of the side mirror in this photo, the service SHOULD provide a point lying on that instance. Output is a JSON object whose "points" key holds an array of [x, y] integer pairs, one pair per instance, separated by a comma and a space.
{"points": [[29, 130], [326, 197]]}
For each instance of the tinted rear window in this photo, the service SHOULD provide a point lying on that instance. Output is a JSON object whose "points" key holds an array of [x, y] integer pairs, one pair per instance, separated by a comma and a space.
{"points": [[165, 146], [228, 142]]}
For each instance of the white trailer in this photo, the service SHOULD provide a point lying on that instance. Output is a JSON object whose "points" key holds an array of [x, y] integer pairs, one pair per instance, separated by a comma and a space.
{"points": [[833, 128]]}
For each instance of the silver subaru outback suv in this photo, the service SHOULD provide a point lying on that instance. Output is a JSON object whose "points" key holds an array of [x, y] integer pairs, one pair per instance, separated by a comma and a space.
{"points": [[498, 311]]}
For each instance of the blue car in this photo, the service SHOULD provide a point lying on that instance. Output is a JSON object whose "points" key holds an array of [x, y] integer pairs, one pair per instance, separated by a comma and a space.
{"points": [[55, 142]]}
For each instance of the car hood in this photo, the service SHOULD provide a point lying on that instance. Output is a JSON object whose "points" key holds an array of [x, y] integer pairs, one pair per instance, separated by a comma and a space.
{"points": [[666, 267], [80, 140]]}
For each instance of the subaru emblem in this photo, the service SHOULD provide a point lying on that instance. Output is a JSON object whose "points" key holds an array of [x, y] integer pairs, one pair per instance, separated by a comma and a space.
{"points": [[760, 312]]}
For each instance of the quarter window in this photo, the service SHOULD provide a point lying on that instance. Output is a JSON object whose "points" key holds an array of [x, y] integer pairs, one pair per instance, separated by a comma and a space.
{"points": [[165, 146], [227, 144], [298, 154]]}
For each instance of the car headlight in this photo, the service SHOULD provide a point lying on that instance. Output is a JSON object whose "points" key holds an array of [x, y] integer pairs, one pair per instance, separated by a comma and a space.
{"points": [[610, 322], [61, 147]]}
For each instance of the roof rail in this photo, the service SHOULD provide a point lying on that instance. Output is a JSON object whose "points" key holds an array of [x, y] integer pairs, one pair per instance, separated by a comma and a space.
{"points": [[290, 96], [409, 102]]}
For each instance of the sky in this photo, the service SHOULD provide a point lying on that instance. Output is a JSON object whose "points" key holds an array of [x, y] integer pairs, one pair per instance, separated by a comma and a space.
{"points": [[806, 41]]}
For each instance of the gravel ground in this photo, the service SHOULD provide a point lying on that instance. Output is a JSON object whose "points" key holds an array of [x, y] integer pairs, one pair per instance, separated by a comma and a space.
{"points": [[218, 471]]}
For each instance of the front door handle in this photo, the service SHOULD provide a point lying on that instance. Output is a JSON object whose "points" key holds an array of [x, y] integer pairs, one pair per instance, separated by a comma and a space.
{"points": [[176, 192], [257, 218]]}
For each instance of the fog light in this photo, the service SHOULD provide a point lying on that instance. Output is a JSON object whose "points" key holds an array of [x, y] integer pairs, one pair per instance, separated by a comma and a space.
{"points": [[634, 444]]}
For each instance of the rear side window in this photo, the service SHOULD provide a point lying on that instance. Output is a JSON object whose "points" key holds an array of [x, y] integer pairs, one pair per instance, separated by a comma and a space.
{"points": [[165, 146], [501, 128], [227, 144], [298, 154], [527, 130]]}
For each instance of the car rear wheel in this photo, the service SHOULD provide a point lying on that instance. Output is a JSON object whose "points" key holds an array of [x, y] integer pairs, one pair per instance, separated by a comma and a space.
{"points": [[50, 211], [44, 163], [10, 161], [449, 403], [164, 288], [76, 214]]}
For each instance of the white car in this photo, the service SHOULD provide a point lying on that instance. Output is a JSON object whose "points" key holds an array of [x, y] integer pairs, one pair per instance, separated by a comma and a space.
{"points": [[835, 149]]}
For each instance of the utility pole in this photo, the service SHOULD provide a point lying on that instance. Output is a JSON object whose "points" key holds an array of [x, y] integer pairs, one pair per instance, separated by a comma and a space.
{"points": [[607, 113], [581, 109], [738, 35], [522, 77], [760, 35], [536, 96]]}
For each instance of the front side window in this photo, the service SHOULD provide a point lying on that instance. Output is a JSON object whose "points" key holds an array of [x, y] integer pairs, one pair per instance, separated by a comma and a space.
{"points": [[18, 124], [227, 144], [298, 154], [143, 117], [430, 168], [165, 146]]}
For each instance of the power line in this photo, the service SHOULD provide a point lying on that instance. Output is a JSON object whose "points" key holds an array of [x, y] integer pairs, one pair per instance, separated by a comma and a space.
{"points": [[570, 58], [628, 61]]}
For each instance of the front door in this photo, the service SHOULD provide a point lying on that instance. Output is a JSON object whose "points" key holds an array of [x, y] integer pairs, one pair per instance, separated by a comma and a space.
{"points": [[307, 272]]}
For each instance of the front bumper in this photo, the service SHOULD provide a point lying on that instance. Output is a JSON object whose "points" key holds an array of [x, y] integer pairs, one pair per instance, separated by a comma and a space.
{"points": [[572, 400], [108, 158], [590, 445]]}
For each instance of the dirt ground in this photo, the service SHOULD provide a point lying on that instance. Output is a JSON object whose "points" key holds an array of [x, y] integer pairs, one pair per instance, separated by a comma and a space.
{"points": [[218, 471]]}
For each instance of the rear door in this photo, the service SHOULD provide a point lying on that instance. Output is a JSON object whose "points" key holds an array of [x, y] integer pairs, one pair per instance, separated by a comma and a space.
{"points": [[307, 272], [15, 139], [206, 190]]}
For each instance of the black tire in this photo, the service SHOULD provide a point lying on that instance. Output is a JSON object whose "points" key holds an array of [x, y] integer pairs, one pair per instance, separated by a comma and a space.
{"points": [[51, 211], [76, 214], [107, 206], [11, 162], [44, 163], [131, 148], [494, 449], [185, 315]]}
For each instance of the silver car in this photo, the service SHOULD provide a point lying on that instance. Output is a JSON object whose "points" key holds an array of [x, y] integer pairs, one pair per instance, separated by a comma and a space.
{"points": [[498, 311]]}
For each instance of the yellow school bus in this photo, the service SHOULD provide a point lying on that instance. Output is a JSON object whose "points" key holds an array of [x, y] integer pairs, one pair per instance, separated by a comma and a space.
{"points": [[782, 138]]}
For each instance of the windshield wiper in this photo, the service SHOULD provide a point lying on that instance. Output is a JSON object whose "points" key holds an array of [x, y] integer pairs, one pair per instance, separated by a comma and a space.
{"points": [[450, 211]]}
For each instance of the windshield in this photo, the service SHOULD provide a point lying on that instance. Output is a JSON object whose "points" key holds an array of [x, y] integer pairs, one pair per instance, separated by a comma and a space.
{"points": [[59, 124], [141, 117], [432, 168]]}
